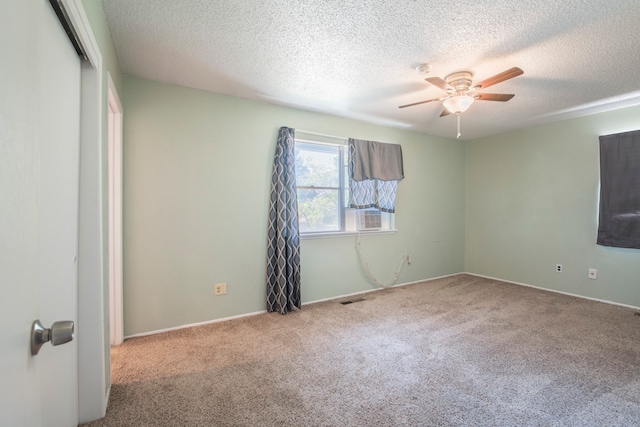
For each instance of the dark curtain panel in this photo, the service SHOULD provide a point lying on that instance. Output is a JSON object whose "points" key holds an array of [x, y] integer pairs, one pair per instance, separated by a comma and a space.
{"points": [[283, 247], [374, 171], [619, 222]]}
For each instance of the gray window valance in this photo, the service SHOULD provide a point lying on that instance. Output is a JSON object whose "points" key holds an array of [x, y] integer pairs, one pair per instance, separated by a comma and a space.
{"points": [[375, 160], [619, 218]]}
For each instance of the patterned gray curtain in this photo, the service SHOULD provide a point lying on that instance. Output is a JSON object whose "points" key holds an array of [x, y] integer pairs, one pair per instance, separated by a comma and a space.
{"points": [[374, 171], [283, 251]]}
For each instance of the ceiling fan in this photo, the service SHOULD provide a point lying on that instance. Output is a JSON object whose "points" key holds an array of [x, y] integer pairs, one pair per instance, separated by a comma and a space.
{"points": [[461, 94]]}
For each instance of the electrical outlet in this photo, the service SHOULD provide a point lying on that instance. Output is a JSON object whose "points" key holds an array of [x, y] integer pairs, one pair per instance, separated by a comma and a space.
{"points": [[559, 268], [220, 289], [593, 274]]}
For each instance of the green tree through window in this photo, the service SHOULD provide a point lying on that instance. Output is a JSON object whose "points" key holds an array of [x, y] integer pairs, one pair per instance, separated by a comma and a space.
{"points": [[319, 174]]}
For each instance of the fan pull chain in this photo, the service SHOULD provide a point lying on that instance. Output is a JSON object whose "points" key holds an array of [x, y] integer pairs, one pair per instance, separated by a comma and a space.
{"points": [[458, 114]]}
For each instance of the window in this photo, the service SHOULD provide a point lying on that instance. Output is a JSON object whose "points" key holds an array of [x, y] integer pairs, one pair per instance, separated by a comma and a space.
{"points": [[322, 180]]}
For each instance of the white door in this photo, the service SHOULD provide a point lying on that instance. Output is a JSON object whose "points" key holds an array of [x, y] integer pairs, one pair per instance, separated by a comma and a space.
{"points": [[39, 167]]}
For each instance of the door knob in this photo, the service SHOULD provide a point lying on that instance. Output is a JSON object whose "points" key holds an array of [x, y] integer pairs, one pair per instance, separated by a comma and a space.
{"points": [[59, 333]]}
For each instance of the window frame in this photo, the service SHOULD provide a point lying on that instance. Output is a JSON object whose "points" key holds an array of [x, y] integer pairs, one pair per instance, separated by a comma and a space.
{"points": [[344, 215]]}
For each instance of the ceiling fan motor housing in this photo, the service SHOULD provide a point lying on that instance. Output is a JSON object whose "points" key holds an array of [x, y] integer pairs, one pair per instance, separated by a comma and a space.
{"points": [[460, 82]]}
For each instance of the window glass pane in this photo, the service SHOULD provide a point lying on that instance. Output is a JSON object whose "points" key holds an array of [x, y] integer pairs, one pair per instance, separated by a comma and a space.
{"points": [[317, 165], [346, 197], [318, 210]]}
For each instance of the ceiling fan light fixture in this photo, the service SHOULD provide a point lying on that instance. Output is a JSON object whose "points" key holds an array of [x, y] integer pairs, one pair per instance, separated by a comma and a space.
{"points": [[458, 104]]}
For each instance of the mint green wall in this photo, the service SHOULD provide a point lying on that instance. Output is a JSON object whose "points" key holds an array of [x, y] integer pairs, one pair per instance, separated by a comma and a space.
{"points": [[197, 173], [532, 203]]}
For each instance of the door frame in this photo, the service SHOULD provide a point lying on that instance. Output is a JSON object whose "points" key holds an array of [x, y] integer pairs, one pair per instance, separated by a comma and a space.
{"points": [[114, 142], [94, 381]]}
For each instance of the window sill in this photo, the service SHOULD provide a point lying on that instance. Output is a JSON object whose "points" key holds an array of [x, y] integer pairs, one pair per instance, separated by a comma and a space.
{"points": [[309, 236]]}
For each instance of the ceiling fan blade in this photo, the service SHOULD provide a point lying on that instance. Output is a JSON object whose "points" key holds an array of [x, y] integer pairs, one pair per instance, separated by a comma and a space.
{"points": [[505, 75], [445, 112], [421, 102], [437, 81], [502, 97]]}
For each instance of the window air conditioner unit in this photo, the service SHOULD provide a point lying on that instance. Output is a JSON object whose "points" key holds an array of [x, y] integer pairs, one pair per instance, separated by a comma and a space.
{"points": [[369, 220]]}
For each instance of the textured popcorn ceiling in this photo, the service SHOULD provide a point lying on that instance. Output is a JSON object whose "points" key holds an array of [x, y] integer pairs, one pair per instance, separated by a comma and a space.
{"points": [[355, 58]]}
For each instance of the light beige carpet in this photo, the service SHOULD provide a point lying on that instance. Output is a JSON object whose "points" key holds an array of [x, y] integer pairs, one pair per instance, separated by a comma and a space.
{"points": [[458, 351]]}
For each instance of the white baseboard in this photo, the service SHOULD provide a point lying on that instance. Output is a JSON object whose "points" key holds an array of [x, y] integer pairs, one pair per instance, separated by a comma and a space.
{"points": [[224, 319], [106, 400], [556, 291], [379, 289], [191, 325]]}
